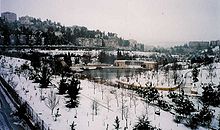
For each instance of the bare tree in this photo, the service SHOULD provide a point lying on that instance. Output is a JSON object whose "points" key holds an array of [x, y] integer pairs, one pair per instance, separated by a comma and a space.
{"points": [[95, 106], [94, 87], [123, 102], [116, 97], [114, 92], [210, 69], [135, 103], [108, 99], [126, 114], [52, 101], [102, 90], [131, 96]]}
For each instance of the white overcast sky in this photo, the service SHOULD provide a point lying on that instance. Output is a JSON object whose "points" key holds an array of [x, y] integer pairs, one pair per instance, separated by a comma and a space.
{"points": [[147, 21]]}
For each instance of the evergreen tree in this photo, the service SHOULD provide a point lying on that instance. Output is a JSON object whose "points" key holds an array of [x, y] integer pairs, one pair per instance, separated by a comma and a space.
{"points": [[149, 93], [67, 59], [6, 34], [144, 124], [205, 116], [195, 73], [35, 60], [175, 67], [102, 57], [183, 105], [44, 76], [73, 93], [210, 96], [192, 122], [63, 87], [77, 60], [119, 55]]}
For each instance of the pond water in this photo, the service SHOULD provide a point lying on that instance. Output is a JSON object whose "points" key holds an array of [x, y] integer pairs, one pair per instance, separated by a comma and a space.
{"points": [[111, 73]]}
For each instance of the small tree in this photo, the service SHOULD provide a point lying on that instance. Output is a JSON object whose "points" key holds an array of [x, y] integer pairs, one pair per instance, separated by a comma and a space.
{"points": [[210, 69], [183, 105], [73, 92], [63, 87], [116, 97], [52, 101], [143, 124], [44, 78], [210, 96], [195, 73], [175, 74], [192, 122], [67, 59], [126, 115], [94, 108], [72, 126], [205, 116], [117, 123], [108, 100]]}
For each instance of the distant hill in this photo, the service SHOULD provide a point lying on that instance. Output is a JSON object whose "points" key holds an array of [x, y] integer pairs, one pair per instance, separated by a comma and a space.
{"points": [[33, 31]]}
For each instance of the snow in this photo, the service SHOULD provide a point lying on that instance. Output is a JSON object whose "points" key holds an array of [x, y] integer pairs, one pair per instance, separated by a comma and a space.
{"points": [[95, 52], [106, 98]]}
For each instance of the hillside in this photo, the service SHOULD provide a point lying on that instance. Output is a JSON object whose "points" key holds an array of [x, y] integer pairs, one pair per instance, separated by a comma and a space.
{"points": [[32, 31]]}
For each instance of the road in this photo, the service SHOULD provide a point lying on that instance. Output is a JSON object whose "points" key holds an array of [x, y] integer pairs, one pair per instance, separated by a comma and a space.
{"points": [[7, 122]]}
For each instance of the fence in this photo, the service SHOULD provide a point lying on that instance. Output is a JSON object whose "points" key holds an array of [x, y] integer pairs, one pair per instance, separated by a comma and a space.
{"points": [[31, 117]]}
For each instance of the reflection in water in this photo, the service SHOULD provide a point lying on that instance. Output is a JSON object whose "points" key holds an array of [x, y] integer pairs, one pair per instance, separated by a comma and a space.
{"points": [[111, 73]]}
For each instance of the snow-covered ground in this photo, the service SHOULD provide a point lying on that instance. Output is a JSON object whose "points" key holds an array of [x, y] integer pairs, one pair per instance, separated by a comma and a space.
{"points": [[99, 104], [95, 52]]}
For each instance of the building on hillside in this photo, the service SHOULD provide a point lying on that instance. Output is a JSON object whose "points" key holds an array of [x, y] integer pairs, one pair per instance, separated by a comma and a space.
{"points": [[200, 44], [150, 65], [133, 43], [215, 43], [111, 42], [26, 20], [89, 42], [9, 16], [120, 63]]}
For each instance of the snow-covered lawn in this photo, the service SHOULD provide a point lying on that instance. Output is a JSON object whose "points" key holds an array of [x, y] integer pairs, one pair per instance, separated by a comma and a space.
{"points": [[99, 104]]}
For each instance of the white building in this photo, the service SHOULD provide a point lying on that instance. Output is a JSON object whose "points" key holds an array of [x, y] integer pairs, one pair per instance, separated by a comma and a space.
{"points": [[9, 16], [26, 20]]}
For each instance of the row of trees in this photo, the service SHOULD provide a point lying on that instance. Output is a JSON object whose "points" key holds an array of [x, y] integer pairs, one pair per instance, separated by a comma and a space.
{"points": [[184, 108]]}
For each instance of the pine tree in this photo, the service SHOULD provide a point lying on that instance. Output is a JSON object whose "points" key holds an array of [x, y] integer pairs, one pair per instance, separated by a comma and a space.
{"points": [[63, 87], [195, 73], [45, 77], [67, 59], [205, 116], [210, 96], [73, 93], [143, 124], [183, 105]]}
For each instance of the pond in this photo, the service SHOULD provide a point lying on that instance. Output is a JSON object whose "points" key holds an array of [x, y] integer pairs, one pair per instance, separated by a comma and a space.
{"points": [[112, 73]]}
